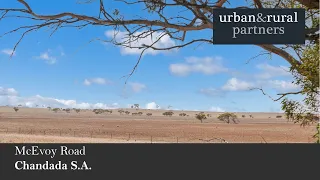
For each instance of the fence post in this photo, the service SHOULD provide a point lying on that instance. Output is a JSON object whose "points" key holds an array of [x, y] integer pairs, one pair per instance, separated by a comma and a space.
{"points": [[111, 135], [151, 139], [129, 136], [44, 132]]}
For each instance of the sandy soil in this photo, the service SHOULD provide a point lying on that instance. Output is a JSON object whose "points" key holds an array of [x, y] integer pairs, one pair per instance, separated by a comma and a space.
{"points": [[41, 125]]}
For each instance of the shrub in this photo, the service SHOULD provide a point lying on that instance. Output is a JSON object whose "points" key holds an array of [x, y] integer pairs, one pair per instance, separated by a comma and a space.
{"points": [[168, 113], [228, 117], [201, 116], [55, 110], [16, 109], [121, 111]]}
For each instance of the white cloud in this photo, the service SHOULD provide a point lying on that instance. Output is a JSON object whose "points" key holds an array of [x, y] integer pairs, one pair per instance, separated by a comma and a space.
{"points": [[61, 51], [212, 92], [198, 22], [205, 65], [10, 97], [147, 39], [8, 92], [8, 52], [216, 109], [282, 86], [234, 84], [100, 81], [152, 105], [137, 87], [46, 56], [87, 82], [269, 71]]}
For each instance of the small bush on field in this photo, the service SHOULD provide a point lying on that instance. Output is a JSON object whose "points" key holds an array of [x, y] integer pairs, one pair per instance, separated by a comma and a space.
{"points": [[98, 111], [201, 116], [121, 111], [55, 110], [168, 113], [228, 117], [16, 109]]}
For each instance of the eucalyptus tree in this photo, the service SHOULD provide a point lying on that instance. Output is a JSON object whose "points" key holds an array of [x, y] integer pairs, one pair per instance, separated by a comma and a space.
{"points": [[185, 17]]}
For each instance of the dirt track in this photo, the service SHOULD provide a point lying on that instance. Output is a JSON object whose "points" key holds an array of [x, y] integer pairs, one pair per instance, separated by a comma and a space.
{"points": [[41, 125]]}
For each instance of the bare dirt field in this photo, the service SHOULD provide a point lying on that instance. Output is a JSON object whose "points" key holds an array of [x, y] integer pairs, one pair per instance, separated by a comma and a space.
{"points": [[39, 125]]}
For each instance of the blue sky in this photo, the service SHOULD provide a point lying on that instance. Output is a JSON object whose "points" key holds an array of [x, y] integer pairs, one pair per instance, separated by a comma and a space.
{"points": [[64, 70]]}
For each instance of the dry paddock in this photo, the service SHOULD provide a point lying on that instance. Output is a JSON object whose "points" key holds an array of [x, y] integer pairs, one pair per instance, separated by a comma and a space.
{"points": [[41, 125]]}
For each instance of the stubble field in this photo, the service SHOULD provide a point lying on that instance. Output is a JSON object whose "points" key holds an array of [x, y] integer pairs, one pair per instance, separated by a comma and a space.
{"points": [[39, 125]]}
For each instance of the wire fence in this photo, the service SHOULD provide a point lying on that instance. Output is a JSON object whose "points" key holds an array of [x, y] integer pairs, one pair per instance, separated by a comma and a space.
{"points": [[113, 135], [145, 137]]}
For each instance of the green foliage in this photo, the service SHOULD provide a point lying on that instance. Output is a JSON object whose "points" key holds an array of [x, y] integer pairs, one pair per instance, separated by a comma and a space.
{"points": [[101, 111], [228, 117], [16, 109], [121, 111], [317, 135], [55, 110], [201, 116], [154, 5], [108, 111], [77, 110], [149, 114], [116, 12], [306, 76], [169, 113]]}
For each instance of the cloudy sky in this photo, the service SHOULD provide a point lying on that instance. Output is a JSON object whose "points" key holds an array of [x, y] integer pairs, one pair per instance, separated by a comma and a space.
{"points": [[66, 71]]}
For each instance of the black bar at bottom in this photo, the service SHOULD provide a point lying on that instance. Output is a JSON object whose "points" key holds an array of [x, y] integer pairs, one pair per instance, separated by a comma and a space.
{"points": [[159, 161]]}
